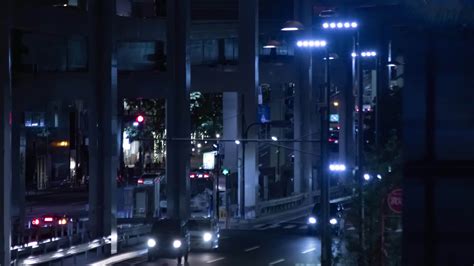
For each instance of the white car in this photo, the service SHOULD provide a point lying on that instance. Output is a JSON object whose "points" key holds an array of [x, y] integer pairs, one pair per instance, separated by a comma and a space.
{"points": [[204, 233]]}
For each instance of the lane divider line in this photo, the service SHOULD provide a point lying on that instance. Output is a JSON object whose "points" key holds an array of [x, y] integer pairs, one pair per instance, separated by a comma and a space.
{"points": [[308, 250], [276, 262], [214, 260], [252, 248]]}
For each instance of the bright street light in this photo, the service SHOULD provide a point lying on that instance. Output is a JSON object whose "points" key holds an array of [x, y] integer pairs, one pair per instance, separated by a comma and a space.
{"points": [[218, 135], [367, 177], [336, 103], [237, 142], [337, 167], [365, 54], [311, 43], [274, 138], [340, 25], [379, 176], [292, 25]]}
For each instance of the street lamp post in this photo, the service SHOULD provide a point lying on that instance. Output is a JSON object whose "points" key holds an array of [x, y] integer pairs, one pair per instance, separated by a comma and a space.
{"points": [[326, 242], [348, 25]]}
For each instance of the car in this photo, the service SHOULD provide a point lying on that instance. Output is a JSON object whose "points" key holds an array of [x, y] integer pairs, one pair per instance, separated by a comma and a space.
{"points": [[335, 218], [204, 233], [49, 221], [170, 239], [149, 179]]}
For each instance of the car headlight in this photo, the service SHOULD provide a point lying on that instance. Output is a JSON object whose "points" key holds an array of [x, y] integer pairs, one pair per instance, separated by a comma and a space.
{"points": [[312, 220], [207, 237], [176, 244], [333, 221], [151, 243]]}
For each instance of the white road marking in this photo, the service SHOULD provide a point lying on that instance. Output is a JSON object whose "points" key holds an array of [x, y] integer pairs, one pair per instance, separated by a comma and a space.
{"points": [[304, 227], [274, 226], [214, 260], [259, 225], [276, 262], [120, 257], [290, 226], [252, 248], [308, 250]]}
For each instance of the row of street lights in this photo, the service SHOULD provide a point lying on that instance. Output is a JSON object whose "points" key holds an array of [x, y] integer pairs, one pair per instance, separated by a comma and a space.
{"points": [[326, 242]]}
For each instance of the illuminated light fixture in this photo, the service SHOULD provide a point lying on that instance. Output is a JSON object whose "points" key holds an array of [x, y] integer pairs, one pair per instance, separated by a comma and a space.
{"points": [[353, 54], [340, 25], [140, 119], [335, 103], [311, 43], [271, 44], [199, 145], [274, 138], [151, 243], [135, 124], [292, 25], [207, 237], [218, 135], [337, 167], [176, 244], [367, 177], [237, 142], [379, 176], [333, 221]]}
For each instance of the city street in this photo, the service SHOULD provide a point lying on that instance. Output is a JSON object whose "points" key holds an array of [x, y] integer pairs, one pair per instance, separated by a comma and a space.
{"points": [[274, 246]]}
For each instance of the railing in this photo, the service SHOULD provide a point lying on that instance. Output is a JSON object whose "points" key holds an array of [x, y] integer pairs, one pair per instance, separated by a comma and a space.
{"points": [[59, 248], [280, 205]]}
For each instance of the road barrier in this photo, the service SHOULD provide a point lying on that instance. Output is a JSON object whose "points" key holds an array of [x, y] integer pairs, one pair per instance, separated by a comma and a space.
{"points": [[270, 207], [72, 245]]}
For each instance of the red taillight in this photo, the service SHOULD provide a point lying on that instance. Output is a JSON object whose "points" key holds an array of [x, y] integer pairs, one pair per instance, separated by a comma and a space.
{"points": [[35, 221], [140, 181], [206, 175], [48, 219], [192, 175], [331, 140]]}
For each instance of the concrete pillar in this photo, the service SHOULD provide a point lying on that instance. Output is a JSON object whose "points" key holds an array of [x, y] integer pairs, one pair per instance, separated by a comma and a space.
{"points": [[248, 70], [178, 121], [5, 134], [346, 118], [104, 132], [304, 105], [230, 113], [18, 166]]}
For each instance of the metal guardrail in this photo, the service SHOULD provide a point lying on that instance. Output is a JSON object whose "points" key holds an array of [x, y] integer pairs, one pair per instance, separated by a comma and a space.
{"points": [[278, 205], [58, 249]]}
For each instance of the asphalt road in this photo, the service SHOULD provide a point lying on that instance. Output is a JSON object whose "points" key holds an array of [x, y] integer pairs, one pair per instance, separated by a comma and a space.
{"points": [[274, 246]]}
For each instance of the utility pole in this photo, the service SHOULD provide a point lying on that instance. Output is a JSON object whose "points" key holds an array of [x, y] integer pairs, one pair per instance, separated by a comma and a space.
{"points": [[326, 243], [360, 151]]}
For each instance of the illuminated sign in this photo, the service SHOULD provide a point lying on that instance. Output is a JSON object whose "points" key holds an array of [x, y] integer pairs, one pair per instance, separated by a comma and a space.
{"points": [[209, 160]]}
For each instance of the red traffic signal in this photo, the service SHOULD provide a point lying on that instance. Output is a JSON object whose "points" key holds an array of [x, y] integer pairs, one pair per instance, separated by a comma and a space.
{"points": [[140, 119]]}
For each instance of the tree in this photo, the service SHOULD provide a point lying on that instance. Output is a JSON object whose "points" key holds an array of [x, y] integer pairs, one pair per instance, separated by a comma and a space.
{"points": [[385, 170]]}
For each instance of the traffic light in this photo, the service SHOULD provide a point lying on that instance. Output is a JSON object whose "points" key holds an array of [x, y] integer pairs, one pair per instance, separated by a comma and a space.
{"points": [[225, 171], [140, 119]]}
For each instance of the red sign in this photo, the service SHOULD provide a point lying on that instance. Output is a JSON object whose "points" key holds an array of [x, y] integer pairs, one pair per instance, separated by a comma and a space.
{"points": [[394, 200]]}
